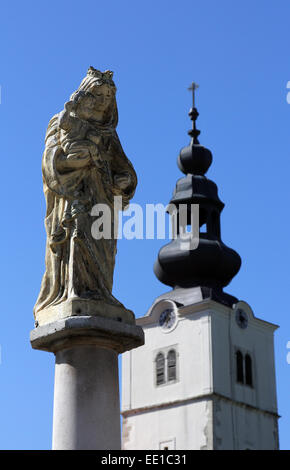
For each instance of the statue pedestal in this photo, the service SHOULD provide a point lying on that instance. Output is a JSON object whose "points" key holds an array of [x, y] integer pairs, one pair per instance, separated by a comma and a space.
{"points": [[86, 394]]}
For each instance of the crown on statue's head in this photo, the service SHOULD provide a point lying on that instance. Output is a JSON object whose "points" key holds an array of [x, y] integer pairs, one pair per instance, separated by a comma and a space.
{"points": [[104, 77]]}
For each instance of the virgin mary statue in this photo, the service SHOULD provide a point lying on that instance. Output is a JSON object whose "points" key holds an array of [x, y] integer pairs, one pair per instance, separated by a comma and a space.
{"points": [[83, 165]]}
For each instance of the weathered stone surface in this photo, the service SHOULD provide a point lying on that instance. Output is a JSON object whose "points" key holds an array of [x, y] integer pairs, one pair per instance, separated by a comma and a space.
{"points": [[84, 330], [80, 307], [83, 165]]}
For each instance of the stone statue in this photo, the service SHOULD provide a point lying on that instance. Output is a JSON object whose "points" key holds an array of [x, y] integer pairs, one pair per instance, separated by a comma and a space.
{"points": [[83, 164]]}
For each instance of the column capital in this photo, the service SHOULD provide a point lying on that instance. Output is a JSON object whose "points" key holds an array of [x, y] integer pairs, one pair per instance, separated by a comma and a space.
{"points": [[86, 330]]}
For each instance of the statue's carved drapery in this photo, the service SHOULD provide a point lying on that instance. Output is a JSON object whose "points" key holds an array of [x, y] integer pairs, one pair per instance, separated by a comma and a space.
{"points": [[83, 164]]}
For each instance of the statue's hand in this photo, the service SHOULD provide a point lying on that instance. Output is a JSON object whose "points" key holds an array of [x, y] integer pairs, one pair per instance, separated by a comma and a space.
{"points": [[122, 180], [76, 155], [69, 106]]}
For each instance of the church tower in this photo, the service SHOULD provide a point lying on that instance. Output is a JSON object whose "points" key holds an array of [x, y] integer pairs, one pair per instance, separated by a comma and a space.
{"points": [[205, 378]]}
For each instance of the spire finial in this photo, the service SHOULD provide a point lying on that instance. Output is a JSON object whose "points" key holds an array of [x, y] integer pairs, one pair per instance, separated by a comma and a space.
{"points": [[193, 114], [194, 86]]}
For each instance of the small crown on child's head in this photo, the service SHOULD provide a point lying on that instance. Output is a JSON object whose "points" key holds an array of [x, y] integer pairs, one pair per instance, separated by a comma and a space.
{"points": [[105, 77]]}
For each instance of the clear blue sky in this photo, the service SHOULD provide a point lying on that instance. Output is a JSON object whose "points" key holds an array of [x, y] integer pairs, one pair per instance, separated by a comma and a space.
{"points": [[239, 54]]}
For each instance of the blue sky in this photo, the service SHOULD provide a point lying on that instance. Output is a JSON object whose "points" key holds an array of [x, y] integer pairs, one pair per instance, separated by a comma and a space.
{"points": [[238, 52]]}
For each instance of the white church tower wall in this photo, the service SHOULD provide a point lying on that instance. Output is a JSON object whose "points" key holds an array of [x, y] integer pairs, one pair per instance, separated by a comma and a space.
{"points": [[204, 406]]}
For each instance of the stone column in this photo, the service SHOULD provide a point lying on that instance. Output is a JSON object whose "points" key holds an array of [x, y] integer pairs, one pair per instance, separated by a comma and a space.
{"points": [[86, 394]]}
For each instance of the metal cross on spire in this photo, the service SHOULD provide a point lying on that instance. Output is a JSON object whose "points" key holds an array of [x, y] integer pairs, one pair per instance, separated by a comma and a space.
{"points": [[194, 86]]}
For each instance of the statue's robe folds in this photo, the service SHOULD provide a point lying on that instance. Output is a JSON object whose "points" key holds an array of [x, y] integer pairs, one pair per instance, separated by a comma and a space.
{"points": [[78, 265]]}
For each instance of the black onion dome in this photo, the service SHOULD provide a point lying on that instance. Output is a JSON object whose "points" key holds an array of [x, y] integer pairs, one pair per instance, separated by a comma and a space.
{"points": [[194, 159], [211, 264]]}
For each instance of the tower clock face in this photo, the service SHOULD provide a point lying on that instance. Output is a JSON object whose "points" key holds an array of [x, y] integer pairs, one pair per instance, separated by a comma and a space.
{"points": [[241, 318], [167, 319]]}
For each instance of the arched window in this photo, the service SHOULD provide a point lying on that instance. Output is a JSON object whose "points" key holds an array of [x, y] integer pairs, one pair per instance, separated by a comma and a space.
{"points": [[249, 372], [239, 367], [160, 369], [171, 365]]}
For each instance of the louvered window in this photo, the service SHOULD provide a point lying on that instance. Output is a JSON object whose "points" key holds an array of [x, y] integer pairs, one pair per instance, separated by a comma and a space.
{"points": [[160, 369], [171, 365], [240, 367], [248, 368]]}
